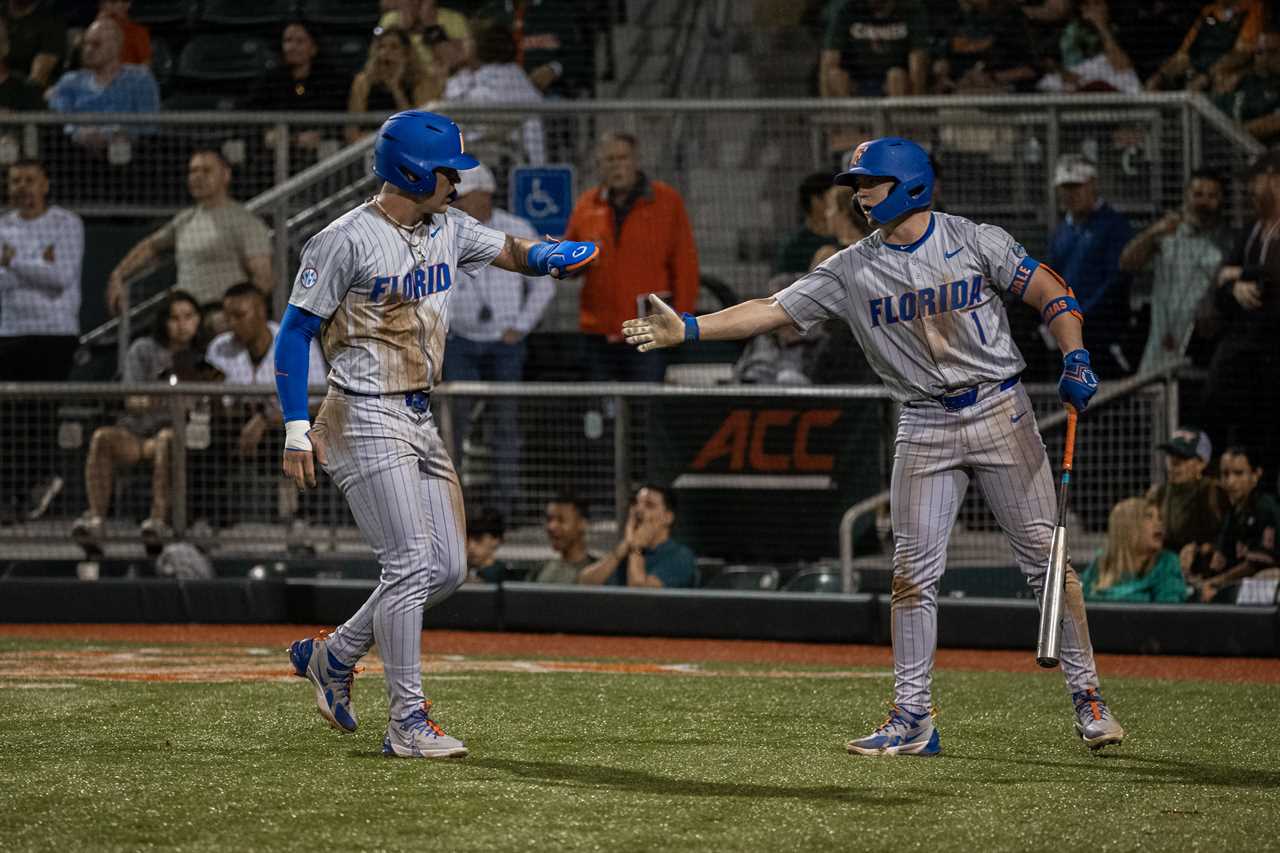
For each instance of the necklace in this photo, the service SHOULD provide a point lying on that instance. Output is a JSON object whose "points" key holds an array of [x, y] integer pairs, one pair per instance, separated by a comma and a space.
{"points": [[415, 248]]}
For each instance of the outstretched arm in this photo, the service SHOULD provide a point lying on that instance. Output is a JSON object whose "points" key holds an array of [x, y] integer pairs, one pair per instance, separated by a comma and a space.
{"points": [[556, 258], [666, 328]]}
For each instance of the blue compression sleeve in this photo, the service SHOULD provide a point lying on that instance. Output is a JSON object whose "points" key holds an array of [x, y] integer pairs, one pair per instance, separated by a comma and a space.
{"points": [[293, 355]]}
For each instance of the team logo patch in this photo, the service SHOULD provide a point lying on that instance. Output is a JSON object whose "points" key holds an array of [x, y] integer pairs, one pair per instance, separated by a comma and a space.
{"points": [[309, 277], [1018, 251], [857, 154]]}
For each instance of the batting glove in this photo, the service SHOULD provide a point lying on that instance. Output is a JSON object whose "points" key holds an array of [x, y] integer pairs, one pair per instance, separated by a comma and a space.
{"points": [[562, 258], [1078, 384]]}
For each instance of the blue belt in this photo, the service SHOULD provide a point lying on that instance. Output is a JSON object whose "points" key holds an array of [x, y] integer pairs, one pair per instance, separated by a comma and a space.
{"points": [[416, 401], [964, 399]]}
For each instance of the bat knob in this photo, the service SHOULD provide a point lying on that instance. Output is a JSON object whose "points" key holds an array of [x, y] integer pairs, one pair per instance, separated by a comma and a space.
{"points": [[1047, 663]]}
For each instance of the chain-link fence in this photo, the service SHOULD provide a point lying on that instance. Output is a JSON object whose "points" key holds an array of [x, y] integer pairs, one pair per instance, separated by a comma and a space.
{"points": [[759, 476]]}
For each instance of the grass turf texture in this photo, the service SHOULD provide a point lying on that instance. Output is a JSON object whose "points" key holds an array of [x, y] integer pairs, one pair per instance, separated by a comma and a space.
{"points": [[589, 761]]}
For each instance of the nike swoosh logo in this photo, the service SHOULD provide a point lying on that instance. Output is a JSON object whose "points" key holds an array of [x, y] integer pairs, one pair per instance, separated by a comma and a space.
{"points": [[952, 253], [437, 231], [1015, 418]]}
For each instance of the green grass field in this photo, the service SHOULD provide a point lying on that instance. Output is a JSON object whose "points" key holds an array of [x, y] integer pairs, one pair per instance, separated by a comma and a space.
{"points": [[740, 760]]}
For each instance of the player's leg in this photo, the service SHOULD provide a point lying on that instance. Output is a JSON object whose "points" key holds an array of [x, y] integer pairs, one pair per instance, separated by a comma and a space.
{"points": [[926, 489], [1012, 470]]}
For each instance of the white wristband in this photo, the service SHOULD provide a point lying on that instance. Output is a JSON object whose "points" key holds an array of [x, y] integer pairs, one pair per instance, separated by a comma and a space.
{"points": [[297, 435]]}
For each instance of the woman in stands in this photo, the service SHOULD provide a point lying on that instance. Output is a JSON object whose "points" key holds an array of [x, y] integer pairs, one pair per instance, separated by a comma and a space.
{"points": [[1134, 565], [174, 350], [393, 78]]}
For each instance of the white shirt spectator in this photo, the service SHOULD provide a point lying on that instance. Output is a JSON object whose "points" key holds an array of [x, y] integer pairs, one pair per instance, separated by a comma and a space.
{"points": [[40, 284], [514, 301], [229, 355], [501, 83]]}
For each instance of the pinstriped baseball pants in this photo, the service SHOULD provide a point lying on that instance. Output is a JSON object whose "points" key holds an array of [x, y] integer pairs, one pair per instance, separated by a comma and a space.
{"points": [[936, 454], [396, 475]]}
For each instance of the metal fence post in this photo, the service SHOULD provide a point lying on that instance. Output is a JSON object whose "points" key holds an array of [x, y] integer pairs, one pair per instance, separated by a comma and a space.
{"points": [[280, 233], [178, 481], [621, 460]]}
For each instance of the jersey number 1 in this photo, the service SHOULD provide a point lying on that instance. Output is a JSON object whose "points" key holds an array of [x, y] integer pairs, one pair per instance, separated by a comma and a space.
{"points": [[981, 335]]}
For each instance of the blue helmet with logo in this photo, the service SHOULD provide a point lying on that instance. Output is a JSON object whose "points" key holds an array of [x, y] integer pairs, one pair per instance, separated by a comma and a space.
{"points": [[412, 144], [897, 158]]}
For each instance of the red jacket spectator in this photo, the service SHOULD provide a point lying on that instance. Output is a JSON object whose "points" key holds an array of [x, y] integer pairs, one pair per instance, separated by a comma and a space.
{"points": [[646, 246]]}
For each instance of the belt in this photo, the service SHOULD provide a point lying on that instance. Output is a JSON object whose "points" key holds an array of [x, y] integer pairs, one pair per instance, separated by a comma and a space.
{"points": [[957, 400], [417, 401]]}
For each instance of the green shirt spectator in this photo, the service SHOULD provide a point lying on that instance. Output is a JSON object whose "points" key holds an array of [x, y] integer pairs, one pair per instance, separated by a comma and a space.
{"points": [[876, 47], [560, 570], [670, 562], [1162, 583]]}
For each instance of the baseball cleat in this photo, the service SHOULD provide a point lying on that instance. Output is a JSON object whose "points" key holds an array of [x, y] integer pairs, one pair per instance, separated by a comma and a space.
{"points": [[419, 736], [903, 733], [332, 680], [1094, 723]]}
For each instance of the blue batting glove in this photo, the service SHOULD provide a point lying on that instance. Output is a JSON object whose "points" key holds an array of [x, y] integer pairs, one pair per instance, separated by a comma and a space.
{"points": [[1078, 384], [562, 258]]}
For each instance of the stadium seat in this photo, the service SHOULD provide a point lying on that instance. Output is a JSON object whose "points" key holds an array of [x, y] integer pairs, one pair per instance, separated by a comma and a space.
{"points": [[344, 52], [745, 577], [197, 102], [815, 580], [161, 62], [155, 13], [226, 57], [237, 13], [355, 12]]}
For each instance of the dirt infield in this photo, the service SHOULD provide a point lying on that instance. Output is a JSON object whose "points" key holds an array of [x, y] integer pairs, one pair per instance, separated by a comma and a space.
{"points": [[440, 645]]}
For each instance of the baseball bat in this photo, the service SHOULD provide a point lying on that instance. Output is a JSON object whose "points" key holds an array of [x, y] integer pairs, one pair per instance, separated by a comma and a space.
{"points": [[1049, 641]]}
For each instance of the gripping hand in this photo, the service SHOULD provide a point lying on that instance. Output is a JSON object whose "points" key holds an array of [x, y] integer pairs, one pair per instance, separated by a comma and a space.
{"points": [[1078, 384], [562, 258]]}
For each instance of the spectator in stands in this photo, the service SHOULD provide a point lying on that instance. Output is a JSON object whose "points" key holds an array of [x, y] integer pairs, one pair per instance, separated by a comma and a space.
{"points": [[484, 537], [557, 41], [41, 250], [245, 355], [566, 526], [647, 556], [1217, 46], [1254, 100], [1247, 298], [796, 252], [1085, 250], [1092, 59], [845, 223], [1183, 249], [646, 245], [498, 78], [174, 348], [1247, 542], [136, 47], [104, 85], [986, 52], [216, 243], [303, 83], [17, 93], [393, 78], [874, 48], [1135, 565], [37, 38], [1191, 504], [440, 37], [491, 314], [1149, 30]]}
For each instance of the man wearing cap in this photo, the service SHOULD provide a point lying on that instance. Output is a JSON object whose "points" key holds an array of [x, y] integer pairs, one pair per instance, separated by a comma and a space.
{"points": [[1182, 249], [493, 311], [1191, 504], [1239, 407], [1085, 248]]}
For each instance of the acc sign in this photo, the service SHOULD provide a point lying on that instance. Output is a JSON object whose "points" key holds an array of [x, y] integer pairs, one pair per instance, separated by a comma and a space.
{"points": [[544, 196]]}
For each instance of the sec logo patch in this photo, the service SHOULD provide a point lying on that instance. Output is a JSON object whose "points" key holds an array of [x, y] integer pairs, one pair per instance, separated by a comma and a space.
{"points": [[310, 277]]}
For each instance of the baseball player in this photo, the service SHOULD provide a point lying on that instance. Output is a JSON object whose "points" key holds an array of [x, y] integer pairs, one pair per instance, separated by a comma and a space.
{"points": [[375, 285], [924, 295]]}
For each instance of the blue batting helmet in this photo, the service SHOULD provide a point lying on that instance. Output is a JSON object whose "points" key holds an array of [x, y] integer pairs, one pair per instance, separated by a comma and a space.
{"points": [[897, 158], [412, 144]]}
